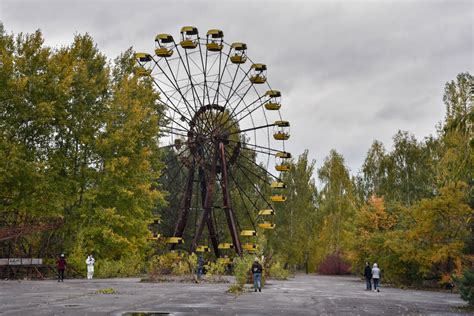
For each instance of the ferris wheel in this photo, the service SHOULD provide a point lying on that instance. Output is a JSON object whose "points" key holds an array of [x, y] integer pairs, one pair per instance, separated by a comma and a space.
{"points": [[223, 121]]}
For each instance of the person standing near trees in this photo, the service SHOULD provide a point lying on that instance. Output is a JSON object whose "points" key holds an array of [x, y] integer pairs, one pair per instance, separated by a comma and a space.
{"points": [[257, 275], [376, 277], [90, 266], [200, 267], [368, 276], [61, 265]]}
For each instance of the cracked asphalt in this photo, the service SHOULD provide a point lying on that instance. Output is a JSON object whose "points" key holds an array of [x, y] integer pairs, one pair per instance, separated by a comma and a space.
{"points": [[301, 295]]}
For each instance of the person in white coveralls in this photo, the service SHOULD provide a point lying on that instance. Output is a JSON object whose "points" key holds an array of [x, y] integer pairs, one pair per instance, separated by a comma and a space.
{"points": [[376, 277], [90, 267]]}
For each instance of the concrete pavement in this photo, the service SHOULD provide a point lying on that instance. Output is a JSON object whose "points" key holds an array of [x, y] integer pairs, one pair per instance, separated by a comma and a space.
{"points": [[302, 295]]}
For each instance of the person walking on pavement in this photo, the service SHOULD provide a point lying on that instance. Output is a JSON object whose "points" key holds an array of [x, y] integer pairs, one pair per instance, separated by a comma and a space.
{"points": [[61, 265], [368, 276], [90, 266], [200, 267], [257, 275], [376, 277]]}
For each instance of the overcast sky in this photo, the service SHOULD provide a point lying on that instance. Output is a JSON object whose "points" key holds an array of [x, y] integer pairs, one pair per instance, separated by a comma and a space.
{"points": [[349, 71]]}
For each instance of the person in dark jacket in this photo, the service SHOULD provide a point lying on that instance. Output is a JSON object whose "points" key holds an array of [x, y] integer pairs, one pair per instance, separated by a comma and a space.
{"points": [[200, 267], [368, 276], [61, 265], [257, 275]]}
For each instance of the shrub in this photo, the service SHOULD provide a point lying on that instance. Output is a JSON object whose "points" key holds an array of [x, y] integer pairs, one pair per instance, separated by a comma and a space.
{"points": [[171, 263], [242, 267], [334, 264], [466, 286], [277, 272], [215, 268], [126, 266]]}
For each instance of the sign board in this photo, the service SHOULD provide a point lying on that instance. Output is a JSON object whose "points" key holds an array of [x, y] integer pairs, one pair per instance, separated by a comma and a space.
{"points": [[3, 262], [36, 261], [25, 260], [14, 261]]}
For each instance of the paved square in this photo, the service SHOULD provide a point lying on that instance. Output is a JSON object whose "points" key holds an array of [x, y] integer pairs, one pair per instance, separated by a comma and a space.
{"points": [[302, 295]]}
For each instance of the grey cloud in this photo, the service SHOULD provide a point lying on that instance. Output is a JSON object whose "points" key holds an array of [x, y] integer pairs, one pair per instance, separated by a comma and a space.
{"points": [[349, 71]]}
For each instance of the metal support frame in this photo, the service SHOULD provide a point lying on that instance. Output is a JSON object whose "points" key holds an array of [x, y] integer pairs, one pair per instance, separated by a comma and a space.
{"points": [[210, 219], [186, 204], [207, 203], [229, 213]]}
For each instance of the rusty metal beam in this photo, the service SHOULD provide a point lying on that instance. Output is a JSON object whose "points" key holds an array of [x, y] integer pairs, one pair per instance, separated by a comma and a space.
{"points": [[210, 220], [229, 213], [207, 203], [186, 204]]}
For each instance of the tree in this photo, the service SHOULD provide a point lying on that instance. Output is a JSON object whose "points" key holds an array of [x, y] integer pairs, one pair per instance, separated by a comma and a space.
{"points": [[457, 163], [79, 141], [436, 231], [336, 207], [295, 239]]}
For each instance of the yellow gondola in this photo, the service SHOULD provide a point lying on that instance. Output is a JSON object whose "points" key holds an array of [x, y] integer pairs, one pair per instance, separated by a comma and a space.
{"points": [[282, 132], [267, 225], [189, 37], [277, 185], [248, 233], [282, 167], [225, 245], [239, 56], [174, 240], [154, 237], [274, 102], [143, 57], [165, 43], [215, 45], [202, 248], [283, 155], [258, 76], [142, 72], [282, 123], [249, 247], [268, 211], [224, 260], [278, 198], [281, 136]]}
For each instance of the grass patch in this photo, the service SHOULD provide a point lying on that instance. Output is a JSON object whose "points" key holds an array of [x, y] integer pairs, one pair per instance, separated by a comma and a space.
{"points": [[108, 290], [236, 289]]}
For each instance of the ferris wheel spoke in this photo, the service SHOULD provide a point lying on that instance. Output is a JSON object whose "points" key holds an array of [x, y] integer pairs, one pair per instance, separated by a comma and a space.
{"points": [[188, 73], [235, 118], [257, 146], [261, 168], [172, 119], [176, 85], [172, 107], [258, 151], [174, 129], [174, 133], [234, 77], [182, 98], [204, 70], [173, 82], [191, 82], [220, 74], [252, 172], [241, 193], [257, 188], [252, 129], [240, 101]]}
